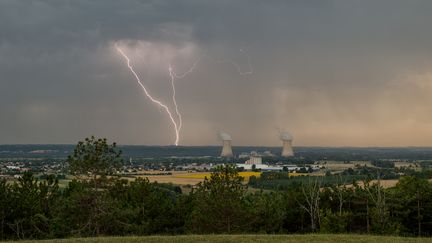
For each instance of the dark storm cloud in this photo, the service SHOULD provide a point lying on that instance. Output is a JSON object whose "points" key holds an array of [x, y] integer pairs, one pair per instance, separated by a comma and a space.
{"points": [[331, 72]]}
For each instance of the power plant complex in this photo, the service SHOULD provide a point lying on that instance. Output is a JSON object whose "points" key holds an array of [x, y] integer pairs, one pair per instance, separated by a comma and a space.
{"points": [[255, 159], [286, 137]]}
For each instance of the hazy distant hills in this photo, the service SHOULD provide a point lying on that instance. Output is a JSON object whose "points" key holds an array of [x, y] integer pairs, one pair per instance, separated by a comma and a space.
{"points": [[317, 153]]}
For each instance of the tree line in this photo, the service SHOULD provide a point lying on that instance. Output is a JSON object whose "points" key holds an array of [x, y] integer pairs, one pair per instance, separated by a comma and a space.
{"points": [[97, 203]]}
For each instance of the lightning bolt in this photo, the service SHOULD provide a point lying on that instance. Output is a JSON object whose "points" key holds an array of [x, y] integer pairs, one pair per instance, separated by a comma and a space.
{"points": [[146, 92], [191, 69], [238, 67], [174, 76]]}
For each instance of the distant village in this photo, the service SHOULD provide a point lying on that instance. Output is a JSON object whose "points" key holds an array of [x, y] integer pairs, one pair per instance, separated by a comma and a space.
{"points": [[253, 161]]}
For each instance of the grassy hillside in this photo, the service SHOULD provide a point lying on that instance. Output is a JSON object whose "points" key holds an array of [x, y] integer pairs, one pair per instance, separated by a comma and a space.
{"points": [[249, 238]]}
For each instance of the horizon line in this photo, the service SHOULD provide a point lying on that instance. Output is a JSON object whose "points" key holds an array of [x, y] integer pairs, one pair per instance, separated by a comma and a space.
{"points": [[213, 145]]}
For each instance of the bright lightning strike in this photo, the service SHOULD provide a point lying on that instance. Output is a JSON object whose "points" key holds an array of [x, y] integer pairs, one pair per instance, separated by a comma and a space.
{"points": [[173, 76], [159, 103], [174, 98]]}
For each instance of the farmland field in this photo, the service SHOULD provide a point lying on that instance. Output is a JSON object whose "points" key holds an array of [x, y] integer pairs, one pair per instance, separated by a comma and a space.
{"points": [[386, 183], [178, 178], [340, 166], [184, 178]]}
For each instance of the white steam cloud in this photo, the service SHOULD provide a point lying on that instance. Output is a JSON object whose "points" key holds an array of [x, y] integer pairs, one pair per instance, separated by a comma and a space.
{"points": [[285, 136], [224, 136]]}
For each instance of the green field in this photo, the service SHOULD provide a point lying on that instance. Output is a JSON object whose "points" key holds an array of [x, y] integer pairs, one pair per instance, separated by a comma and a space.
{"points": [[310, 238]]}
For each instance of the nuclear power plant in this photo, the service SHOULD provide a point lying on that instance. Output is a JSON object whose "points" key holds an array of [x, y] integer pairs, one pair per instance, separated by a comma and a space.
{"points": [[287, 138], [226, 140]]}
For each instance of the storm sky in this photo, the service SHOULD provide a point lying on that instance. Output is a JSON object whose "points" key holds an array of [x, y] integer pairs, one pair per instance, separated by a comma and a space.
{"points": [[333, 73]]}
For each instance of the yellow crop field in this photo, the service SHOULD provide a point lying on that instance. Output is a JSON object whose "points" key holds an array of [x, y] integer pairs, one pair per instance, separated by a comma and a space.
{"points": [[247, 174]]}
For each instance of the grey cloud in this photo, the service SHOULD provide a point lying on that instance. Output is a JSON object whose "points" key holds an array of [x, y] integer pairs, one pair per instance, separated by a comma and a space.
{"points": [[331, 72]]}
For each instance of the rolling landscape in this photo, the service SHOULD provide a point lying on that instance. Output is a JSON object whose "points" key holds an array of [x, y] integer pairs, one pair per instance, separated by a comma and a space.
{"points": [[215, 121], [182, 181]]}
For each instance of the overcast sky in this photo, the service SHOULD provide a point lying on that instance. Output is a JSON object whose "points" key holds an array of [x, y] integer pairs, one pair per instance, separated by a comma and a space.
{"points": [[333, 73]]}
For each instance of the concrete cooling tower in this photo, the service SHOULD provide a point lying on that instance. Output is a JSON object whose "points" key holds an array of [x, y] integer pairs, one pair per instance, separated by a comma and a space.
{"points": [[226, 149], [287, 150]]}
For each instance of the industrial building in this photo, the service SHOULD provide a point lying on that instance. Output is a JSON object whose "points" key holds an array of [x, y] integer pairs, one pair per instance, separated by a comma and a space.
{"points": [[226, 145], [287, 138]]}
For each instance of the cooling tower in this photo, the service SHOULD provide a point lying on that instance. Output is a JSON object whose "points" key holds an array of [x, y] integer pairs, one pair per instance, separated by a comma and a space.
{"points": [[287, 150], [226, 149]]}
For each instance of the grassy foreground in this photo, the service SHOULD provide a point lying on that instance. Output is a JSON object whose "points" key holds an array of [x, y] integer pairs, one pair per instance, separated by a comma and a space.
{"points": [[248, 238]]}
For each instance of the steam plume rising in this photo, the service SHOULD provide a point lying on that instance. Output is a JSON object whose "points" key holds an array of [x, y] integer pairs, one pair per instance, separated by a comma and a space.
{"points": [[224, 136], [285, 136]]}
